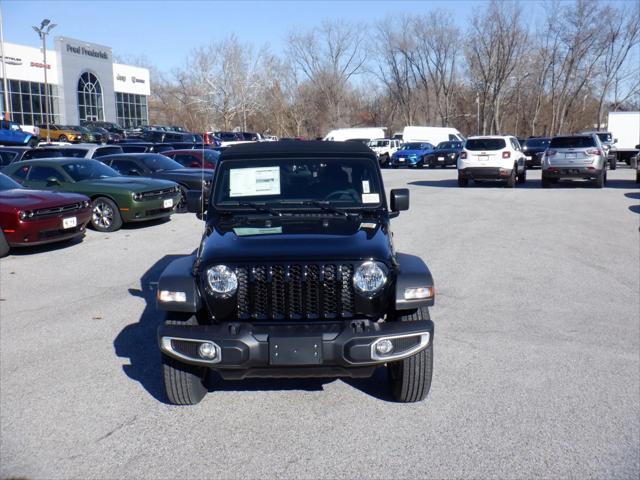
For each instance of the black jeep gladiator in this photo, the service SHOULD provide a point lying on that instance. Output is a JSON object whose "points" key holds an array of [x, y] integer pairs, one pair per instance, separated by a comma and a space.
{"points": [[296, 276]]}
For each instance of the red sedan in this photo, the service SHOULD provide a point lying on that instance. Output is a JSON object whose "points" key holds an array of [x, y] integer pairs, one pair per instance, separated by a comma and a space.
{"points": [[194, 158], [34, 217]]}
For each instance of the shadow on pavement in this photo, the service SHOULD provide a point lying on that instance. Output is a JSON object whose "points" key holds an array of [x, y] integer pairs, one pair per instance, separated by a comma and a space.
{"points": [[145, 223], [48, 247], [137, 341]]}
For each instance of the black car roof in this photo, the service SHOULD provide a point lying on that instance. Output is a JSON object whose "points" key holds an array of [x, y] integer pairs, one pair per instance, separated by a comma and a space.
{"points": [[312, 148], [130, 155]]}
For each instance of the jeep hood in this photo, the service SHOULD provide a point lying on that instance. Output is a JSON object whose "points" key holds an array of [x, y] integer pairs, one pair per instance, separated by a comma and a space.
{"points": [[298, 240]]}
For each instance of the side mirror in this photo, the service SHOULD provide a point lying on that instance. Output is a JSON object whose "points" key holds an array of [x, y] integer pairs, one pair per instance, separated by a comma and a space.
{"points": [[52, 181], [399, 199], [194, 202]]}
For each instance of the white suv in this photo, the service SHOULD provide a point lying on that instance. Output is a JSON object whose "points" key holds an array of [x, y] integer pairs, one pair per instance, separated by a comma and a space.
{"points": [[492, 158], [384, 148]]}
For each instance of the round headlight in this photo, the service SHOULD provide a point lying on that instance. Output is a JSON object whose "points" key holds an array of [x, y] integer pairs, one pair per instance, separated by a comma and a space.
{"points": [[22, 215], [222, 280], [369, 278], [137, 196]]}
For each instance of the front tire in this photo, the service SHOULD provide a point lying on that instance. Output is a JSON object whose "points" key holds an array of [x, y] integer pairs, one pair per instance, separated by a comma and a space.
{"points": [[522, 177], [410, 379], [4, 245], [182, 203], [62, 138], [613, 164], [183, 383], [105, 216]]}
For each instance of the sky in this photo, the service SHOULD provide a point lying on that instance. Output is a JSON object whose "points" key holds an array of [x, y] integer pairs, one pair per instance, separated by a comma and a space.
{"points": [[166, 31]]}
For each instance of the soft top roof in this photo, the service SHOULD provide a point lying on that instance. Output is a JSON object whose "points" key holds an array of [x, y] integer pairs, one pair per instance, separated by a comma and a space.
{"points": [[313, 148]]}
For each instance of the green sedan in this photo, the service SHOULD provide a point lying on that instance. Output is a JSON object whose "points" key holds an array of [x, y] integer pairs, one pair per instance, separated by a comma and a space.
{"points": [[115, 198]]}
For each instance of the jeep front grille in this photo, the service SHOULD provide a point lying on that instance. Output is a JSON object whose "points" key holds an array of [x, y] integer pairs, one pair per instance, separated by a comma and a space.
{"points": [[295, 292]]}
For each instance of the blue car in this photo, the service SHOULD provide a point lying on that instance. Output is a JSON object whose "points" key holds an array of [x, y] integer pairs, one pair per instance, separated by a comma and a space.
{"points": [[411, 155], [11, 134]]}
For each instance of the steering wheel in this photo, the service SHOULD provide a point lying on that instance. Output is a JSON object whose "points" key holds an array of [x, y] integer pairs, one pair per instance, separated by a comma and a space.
{"points": [[349, 194]]}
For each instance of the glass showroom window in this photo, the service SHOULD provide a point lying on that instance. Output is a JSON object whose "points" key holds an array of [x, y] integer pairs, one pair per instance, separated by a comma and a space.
{"points": [[131, 110], [26, 102], [90, 105]]}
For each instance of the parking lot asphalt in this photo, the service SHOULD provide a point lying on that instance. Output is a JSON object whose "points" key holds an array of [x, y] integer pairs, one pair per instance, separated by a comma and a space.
{"points": [[537, 354]]}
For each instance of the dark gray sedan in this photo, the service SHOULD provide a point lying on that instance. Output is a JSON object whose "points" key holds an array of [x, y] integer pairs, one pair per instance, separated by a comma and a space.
{"points": [[155, 165]]}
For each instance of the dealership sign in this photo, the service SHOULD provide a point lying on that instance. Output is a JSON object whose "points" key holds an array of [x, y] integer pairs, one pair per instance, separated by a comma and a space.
{"points": [[90, 52], [12, 60]]}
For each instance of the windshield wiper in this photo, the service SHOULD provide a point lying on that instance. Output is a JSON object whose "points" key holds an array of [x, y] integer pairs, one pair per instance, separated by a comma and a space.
{"points": [[325, 206], [260, 208]]}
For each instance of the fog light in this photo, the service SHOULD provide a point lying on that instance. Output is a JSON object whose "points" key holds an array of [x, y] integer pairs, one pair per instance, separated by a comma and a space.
{"points": [[207, 350], [383, 347]]}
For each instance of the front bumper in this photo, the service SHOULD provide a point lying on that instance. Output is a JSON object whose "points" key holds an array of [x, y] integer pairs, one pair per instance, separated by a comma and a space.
{"points": [[312, 349], [143, 210], [534, 160], [442, 160], [46, 230], [485, 173], [571, 172], [404, 161]]}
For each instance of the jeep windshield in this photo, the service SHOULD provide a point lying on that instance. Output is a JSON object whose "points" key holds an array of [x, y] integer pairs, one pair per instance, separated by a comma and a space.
{"points": [[321, 184]]}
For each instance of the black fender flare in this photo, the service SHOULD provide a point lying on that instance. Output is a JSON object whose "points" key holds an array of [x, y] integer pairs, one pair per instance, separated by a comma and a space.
{"points": [[178, 277], [412, 272]]}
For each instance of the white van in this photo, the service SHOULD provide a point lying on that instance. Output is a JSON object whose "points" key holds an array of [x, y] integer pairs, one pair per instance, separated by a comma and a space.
{"points": [[344, 134], [433, 135]]}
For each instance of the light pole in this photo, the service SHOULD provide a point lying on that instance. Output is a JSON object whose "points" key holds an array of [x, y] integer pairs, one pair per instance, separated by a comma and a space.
{"points": [[5, 101], [45, 27]]}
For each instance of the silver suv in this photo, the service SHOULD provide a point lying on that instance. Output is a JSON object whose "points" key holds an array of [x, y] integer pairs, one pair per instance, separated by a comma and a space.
{"points": [[608, 145], [577, 157]]}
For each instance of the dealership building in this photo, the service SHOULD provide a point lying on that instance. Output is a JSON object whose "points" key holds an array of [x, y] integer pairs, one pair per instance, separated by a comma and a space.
{"points": [[84, 84]]}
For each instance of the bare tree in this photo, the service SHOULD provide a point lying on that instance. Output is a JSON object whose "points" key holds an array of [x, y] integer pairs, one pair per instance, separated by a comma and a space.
{"points": [[329, 56], [393, 68], [497, 41], [622, 35]]}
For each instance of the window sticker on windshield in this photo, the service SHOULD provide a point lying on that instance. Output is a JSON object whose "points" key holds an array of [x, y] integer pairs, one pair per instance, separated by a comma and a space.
{"points": [[365, 186], [249, 182], [370, 198]]}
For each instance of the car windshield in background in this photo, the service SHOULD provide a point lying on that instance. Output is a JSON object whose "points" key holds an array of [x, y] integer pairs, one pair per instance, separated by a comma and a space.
{"points": [[211, 156], [71, 152], [537, 142], [604, 137], [41, 153], [101, 152], [414, 146], [449, 145], [485, 144], [7, 183], [89, 170], [159, 162], [6, 158], [296, 183], [379, 143], [572, 142]]}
